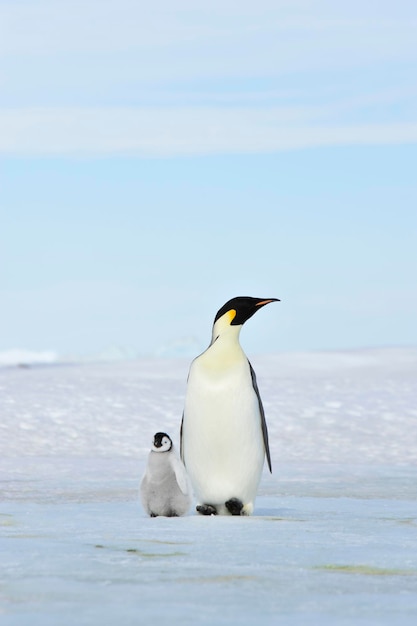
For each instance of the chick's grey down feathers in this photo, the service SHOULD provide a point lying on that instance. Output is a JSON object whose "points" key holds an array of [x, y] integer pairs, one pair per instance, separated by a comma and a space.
{"points": [[164, 488]]}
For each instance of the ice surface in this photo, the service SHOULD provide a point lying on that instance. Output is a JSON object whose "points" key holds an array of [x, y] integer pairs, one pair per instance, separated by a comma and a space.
{"points": [[334, 535]]}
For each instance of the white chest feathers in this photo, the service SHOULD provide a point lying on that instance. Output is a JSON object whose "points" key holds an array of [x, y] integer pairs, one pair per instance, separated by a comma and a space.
{"points": [[222, 441]]}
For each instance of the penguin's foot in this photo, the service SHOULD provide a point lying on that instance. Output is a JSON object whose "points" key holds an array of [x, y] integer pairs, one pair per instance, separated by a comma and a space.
{"points": [[206, 509], [235, 506]]}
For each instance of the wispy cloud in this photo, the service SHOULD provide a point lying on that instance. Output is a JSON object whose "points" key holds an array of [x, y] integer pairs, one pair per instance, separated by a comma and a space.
{"points": [[106, 77], [183, 131]]}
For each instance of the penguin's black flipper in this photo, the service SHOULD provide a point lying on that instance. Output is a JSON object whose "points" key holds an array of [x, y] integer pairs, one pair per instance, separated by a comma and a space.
{"points": [[181, 439], [263, 420]]}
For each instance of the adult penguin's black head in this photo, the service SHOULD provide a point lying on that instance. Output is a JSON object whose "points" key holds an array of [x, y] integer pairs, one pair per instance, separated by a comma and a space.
{"points": [[239, 310]]}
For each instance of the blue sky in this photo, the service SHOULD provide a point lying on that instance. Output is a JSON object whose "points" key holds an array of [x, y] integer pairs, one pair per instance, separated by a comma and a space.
{"points": [[156, 161]]}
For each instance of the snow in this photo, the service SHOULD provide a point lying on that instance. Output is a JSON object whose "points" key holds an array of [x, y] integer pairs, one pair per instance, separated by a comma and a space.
{"points": [[333, 539], [17, 356]]}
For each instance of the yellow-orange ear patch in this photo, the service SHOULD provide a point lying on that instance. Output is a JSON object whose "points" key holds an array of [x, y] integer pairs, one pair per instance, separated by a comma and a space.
{"points": [[231, 315]]}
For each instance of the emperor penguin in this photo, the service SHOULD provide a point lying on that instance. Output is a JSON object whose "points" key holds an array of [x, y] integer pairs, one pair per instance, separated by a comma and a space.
{"points": [[165, 488], [224, 436]]}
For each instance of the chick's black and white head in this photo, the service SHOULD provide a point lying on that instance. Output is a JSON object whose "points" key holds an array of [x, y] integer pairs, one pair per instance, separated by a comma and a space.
{"points": [[236, 312], [162, 442]]}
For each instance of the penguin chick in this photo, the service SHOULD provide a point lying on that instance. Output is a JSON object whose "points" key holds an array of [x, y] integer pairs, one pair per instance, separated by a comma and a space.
{"points": [[224, 436], [165, 488]]}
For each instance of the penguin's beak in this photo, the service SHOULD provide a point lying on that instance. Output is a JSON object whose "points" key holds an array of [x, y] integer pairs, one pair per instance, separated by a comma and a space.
{"points": [[263, 302]]}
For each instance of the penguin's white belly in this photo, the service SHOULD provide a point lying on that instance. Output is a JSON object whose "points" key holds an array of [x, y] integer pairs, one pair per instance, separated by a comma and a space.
{"points": [[222, 435]]}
